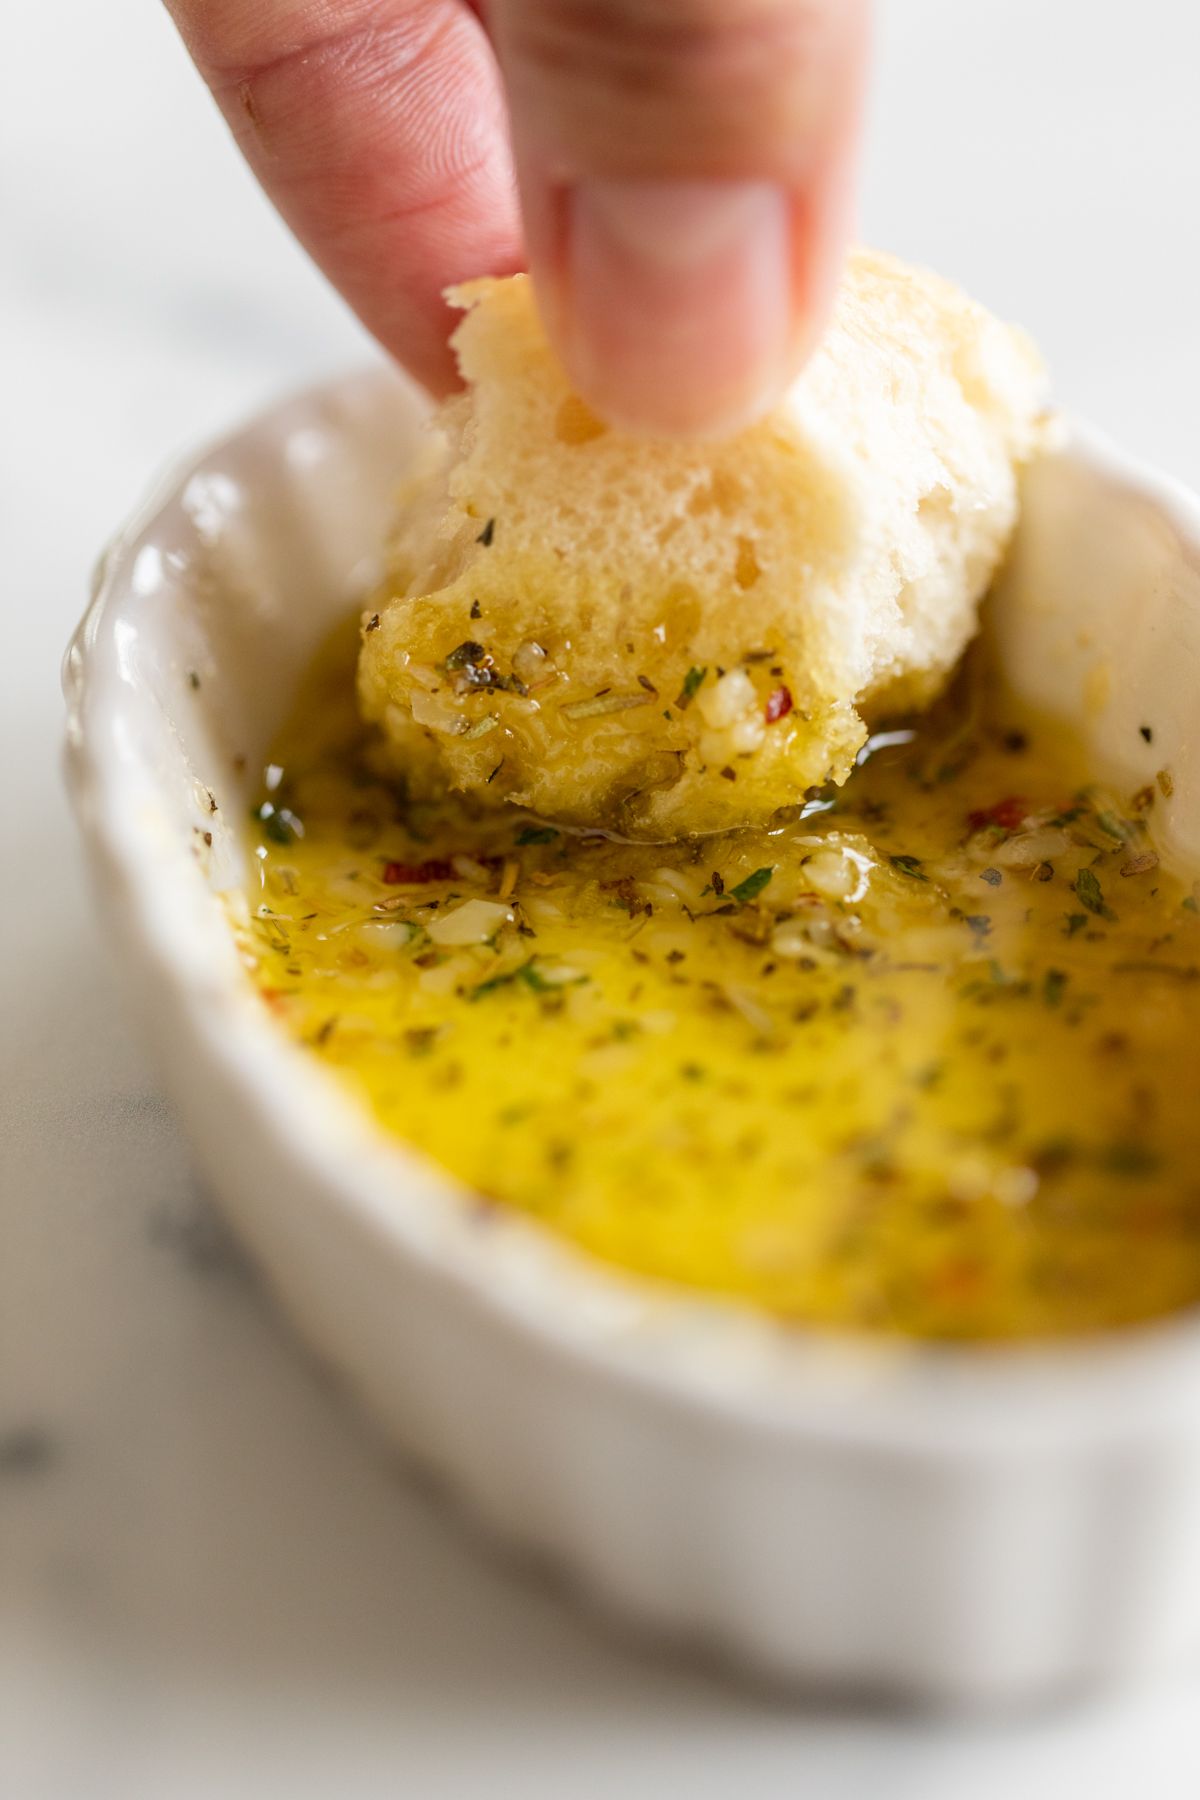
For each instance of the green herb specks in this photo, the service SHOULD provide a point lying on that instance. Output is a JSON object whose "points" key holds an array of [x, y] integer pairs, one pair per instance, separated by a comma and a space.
{"points": [[1091, 895], [751, 887], [690, 688]]}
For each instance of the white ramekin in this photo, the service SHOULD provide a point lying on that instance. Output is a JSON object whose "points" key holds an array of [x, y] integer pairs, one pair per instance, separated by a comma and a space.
{"points": [[950, 1525]]}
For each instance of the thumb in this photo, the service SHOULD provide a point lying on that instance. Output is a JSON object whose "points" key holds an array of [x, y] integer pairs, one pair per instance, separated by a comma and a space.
{"points": [[684, 173]]}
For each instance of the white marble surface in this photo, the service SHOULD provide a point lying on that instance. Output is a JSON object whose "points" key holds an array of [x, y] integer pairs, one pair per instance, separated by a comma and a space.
{"points": [[211, 1584]]}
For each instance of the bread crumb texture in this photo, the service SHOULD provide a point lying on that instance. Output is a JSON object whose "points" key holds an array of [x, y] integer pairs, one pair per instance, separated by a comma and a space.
{"points": [[667, 639]]}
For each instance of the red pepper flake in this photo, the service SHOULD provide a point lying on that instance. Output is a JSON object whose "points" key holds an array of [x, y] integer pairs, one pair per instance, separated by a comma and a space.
{"points": [[1008, 814], [779, 705], [958, 1279], [413, 874]]}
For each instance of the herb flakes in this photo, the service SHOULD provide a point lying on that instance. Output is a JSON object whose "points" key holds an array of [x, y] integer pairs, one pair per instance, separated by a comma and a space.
{"points": [[1054, 986], [752, 886], [692, 682], [1091, 895], [531, 975]]}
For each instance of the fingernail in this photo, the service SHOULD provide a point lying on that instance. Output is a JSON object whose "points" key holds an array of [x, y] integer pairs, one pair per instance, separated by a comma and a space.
{"points": [[678, 310]]}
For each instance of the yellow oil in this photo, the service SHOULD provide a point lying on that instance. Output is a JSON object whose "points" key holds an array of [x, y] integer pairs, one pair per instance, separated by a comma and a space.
{"points": [[920, 1058]]}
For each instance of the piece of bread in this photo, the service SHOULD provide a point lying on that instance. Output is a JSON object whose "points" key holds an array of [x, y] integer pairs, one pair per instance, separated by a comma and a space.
{"points": [[675, 638]]}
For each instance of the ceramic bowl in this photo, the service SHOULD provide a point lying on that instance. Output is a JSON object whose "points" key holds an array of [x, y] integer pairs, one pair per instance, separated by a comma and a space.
{"points": [[950, 1525]]}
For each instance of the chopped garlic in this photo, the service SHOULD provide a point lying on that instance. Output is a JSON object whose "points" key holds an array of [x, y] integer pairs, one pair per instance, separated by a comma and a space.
{"points": [[723, 704], [474, 922]]}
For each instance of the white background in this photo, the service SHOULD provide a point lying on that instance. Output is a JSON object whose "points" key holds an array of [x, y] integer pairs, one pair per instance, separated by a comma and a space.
{"points": [[211, 1582]]}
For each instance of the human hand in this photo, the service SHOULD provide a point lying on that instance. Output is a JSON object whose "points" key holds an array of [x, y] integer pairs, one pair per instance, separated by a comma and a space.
{"points": [[683, 169]]}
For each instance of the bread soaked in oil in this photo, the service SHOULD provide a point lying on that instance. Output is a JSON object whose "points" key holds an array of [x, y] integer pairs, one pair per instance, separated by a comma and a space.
{"points": [[675, 638]]}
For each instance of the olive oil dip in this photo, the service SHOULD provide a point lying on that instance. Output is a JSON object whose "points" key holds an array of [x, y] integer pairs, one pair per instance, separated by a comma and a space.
{"points": [[918, 1057]]}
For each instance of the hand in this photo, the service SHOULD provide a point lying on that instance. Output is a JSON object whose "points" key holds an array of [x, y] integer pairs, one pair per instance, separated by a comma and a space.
{"points": [[683, 168]]}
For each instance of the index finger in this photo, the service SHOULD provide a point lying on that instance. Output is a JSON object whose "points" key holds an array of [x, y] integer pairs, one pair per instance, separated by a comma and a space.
{"points": [[377, 128]]}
